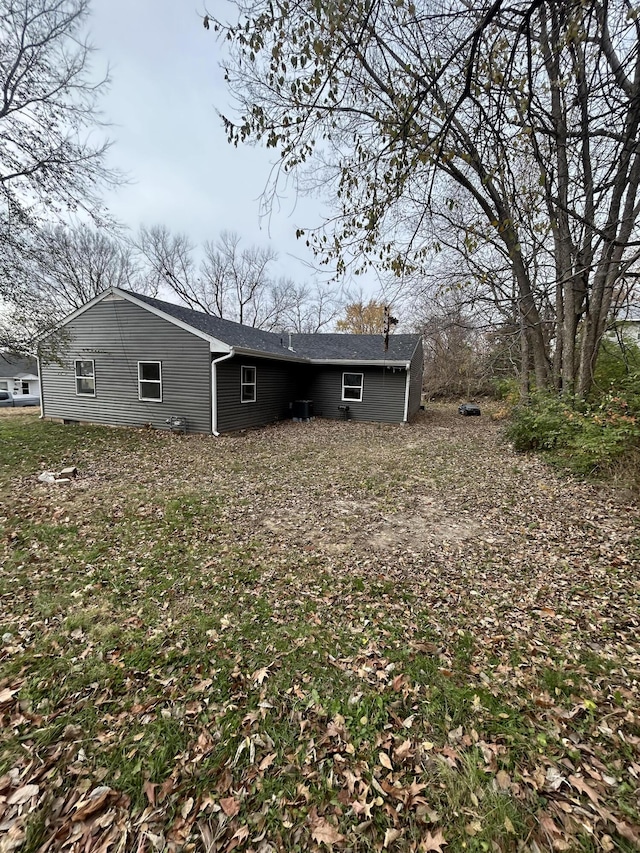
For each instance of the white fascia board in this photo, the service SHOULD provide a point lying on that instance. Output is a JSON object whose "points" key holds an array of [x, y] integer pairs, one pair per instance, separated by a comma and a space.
{"points": [[357, 362]]}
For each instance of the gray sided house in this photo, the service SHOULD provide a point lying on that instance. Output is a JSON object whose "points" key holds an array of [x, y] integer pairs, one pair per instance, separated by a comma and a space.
{"points": [[131, 360]]}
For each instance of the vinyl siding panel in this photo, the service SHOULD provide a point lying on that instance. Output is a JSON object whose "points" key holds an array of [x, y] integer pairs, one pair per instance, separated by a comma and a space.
{"points": [[415, 381], [278, 384], [116, 334], [382, 398]]}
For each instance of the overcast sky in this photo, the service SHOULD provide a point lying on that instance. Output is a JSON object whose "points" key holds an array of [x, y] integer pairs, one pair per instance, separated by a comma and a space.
{"points": [[165, 92]]}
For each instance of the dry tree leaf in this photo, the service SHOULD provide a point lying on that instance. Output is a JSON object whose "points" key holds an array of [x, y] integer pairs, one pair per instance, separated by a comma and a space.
{"points": [[403, 751], [503, 780], [260, 674], [580, 785], [267, 761], [149, 789], [384, 759], [6, 695], [96, 801], [241, 834], [433, 842], [398, 683], [230, 806], [390, 836], [22, 795], [325, 833]]}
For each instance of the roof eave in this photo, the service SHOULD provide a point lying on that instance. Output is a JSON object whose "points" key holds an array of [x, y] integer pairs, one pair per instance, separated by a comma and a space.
{"points": [[287, 355], [364, 362]]}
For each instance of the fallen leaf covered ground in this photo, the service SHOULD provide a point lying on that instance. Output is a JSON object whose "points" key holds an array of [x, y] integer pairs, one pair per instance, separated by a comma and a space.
{"points": [[316, 636]]}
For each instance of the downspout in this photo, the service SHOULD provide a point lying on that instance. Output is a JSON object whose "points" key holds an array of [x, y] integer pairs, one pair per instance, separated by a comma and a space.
{"points": [[40, 384], [406, 393], [214, 390]]}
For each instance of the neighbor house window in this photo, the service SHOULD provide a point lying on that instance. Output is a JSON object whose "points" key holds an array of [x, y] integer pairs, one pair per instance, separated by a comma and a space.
{"points": [[4, 386], [352, 386], [248, 385], [25, 387], [86, 378], [150, 381]]}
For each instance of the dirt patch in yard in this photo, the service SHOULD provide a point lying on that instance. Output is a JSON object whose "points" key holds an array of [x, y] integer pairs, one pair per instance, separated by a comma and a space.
{"points": [[361, 525]]}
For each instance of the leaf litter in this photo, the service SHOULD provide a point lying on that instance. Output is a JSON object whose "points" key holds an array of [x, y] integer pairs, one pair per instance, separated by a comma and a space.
{"points": [[314, 636]]}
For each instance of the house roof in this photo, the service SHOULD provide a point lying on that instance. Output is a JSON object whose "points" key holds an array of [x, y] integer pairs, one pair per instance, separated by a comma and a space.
{"points": [[17, 367], [305, 347], [344, 347]]}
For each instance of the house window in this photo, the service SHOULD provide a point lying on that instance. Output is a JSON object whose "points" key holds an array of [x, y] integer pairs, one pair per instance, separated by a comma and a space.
{"points": [[248, 385], [150, 381], [85, 378], [25, 387], [352, 386], [4, 386]]}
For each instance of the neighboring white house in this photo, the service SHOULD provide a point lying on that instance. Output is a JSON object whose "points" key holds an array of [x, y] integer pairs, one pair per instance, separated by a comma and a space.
{"points": [[19, 375]]}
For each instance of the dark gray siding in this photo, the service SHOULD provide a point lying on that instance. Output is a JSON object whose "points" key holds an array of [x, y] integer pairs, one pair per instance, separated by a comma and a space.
{"points": [[278, 383], [382, 399], [415, 381], [117, 334]]}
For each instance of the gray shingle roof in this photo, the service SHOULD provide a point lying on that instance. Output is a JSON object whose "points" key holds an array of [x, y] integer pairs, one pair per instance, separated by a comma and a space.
{"points": [[319, 346], [322, 346], [14, 365]]}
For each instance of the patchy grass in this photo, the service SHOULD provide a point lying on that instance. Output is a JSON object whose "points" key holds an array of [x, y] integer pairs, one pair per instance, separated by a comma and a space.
{"points": [[337, 635]]}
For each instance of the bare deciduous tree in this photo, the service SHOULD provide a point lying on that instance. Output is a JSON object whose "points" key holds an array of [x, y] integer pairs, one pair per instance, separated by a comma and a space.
{"points": [[234, 282], [48, 105], [68, 266]]}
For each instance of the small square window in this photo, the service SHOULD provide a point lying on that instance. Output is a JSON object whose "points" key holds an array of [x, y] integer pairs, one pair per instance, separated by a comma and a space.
{"points": [[150, 381], [248, 385], [85, 378], [352, 385]]}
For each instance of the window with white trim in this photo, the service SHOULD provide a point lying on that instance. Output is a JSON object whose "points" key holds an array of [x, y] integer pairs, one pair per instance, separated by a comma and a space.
{"points": [[352, 385], [4, 386], [85, 378], [248, 385], [150, 381]]}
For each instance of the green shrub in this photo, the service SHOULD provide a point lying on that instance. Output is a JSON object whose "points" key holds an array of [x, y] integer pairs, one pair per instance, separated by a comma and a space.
{"points": [[617, 360], [505, 388], [545, 423], [588, 439]]}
